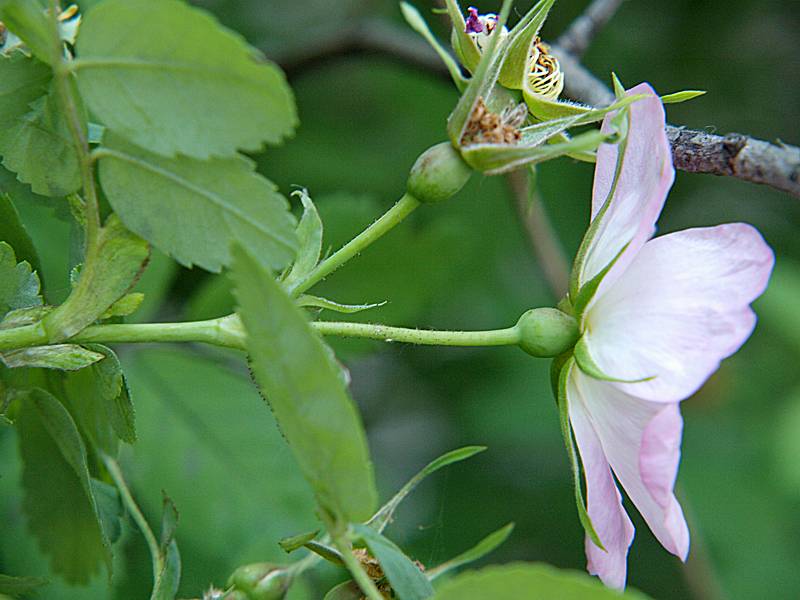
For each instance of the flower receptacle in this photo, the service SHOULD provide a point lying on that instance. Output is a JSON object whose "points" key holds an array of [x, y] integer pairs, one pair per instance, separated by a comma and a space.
{"points": [[261, 581], [547, 332], [438, 174]]}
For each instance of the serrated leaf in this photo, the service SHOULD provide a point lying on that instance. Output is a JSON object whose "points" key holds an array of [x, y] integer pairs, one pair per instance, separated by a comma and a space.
{"points": [[566, 433], [194, 210], [478, 551], [121, 258], [63, 357], [101, 402], [15, 586], [529, 581], [13, 233], [59, 501], [19, 286], [40, 150], [23, 80], [292, 366], [308, 301], [418, 24], [383, 517], [406, 578], [183, 84], [309, 237], [30, 23], [295, 542]]}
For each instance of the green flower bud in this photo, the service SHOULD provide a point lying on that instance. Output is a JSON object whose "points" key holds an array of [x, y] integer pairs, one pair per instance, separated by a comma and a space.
{"points": [[261, 581], [438, 174], [547, 332]]}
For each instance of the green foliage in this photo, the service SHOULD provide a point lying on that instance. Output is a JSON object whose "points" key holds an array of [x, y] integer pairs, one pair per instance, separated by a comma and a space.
{"points": [[24, 80], [168, 578], [294, 370], [121, 257], [13, 232], [208, 95], [406, 578], [63, 357], [59, 494], [19, 286], [309, 236], [528, 581], [478, 551], [39, 148], [29, 21], [194, 210], [19, 585]]}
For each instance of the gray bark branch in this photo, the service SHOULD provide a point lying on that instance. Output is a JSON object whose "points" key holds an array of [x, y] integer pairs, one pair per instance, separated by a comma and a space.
{"points": [[581, 33]]}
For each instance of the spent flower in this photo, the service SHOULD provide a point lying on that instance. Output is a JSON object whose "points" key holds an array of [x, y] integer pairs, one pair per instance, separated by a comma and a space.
{"points": [[656, 318]]}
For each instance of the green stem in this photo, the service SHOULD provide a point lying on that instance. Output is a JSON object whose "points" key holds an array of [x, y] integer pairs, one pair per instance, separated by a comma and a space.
{"points": [[495, 337], [356, 570], [395, 215], [62, 77], [127, 498]]}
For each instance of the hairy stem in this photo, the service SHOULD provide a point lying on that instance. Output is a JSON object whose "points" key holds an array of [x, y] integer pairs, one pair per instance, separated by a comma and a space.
{"points": [[394, 216], [356, 570], [127, 498], [428, 337], [62, 79]]}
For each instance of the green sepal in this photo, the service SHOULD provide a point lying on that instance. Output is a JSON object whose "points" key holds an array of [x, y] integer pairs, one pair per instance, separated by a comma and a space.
{"points": [[682, 96], [587, 364], [478, 551], [309, 235], [168, 579], [125, 306], [326, 552], [418, 24], [295, 542], [619, 88], [587, 292], [484, 78], [463, 45], [309, 301], [521, 39], [566, 432]]}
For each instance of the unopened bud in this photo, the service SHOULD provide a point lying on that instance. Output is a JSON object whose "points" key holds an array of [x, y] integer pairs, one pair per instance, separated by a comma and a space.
{"points": [[261, 581], [547, 332], [438, 174]]}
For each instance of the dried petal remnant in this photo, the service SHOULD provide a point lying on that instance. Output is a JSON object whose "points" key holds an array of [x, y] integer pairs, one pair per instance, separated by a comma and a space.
{"points": [[486, 127]]}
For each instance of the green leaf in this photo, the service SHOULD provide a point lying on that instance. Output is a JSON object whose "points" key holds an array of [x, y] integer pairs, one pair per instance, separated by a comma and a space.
{"points": [[39, 148], [15, 586], [292, 366], [125, 306], [307, 301], [528, 581], [383, 517], [63, 357], [683, 96], [418, 24], [109, 509], [309, 236], [23, 80], [183, 84], [120, 260], [478, 551], [168, 579], [19, 286], [295, 542], [101, 402], [13, 233], [194, 210], [30, 22], [59, 496], [566, 432], [516, 66], [406, 578]]}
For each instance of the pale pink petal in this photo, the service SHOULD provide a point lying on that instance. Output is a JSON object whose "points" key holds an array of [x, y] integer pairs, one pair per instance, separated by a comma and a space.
{"points": [[641, 441], [679, 309], [603, 500], [644, 181]]}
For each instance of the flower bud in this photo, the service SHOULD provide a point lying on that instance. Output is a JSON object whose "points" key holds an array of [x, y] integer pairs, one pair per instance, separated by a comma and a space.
{"points": [[438, 174], [261, 581], [547, 332]]}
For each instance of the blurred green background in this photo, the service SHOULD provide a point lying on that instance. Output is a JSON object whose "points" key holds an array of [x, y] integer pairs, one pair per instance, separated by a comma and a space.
{"points": [[207, 439]]}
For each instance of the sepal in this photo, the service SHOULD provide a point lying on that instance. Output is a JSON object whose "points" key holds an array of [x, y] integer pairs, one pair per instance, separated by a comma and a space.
{"points": [[522, 50]]}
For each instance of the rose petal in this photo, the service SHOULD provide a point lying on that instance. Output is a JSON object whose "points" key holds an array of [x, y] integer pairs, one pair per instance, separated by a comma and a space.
{"points": [[641, 441], [680, 308], [645, 178]]}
